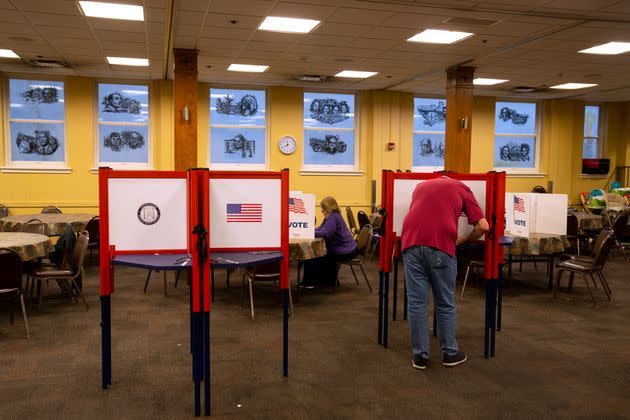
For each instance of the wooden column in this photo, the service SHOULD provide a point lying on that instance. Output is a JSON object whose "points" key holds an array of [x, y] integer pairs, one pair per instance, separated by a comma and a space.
{"points": [[185, 96], [459, 104]]}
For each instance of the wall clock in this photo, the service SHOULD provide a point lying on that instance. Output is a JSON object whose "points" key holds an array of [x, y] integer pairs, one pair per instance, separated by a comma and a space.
{"points": [[287, 145]]}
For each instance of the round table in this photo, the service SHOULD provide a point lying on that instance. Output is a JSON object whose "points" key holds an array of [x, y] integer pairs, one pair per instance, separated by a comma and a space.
{"points": [[301, 249], [28, 245], [538, 244], [589, 221], [54, 223]]}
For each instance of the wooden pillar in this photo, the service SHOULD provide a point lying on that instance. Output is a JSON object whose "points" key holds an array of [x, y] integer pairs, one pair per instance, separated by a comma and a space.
{"points": [[185, 97], [459, 104]]}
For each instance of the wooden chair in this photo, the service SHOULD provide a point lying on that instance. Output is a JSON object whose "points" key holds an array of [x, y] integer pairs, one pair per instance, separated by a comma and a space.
{"points": [[363, 245], [11, 281], [4, 211], [265, 272], [584, 267], [34, 226], [50, 209], [352, 223], [66, 277]]}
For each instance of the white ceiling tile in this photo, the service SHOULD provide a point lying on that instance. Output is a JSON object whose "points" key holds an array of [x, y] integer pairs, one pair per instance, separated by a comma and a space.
{"points": [[354, 15], [419, 22], [225, 33], [116, 25], [225, 20], [301, 10], [329, 40], [245, 7], [341, 29], [62, 7], [377, 44]]}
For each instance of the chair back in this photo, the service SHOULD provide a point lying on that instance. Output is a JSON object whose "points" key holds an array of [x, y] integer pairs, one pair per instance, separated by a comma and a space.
{"points": [[51, 209], [604, 251], [599, 243], [619, 226], [364, 241], [270, 271], [363, 219], [34, 226], [4, 211], [352, 223], [78, 254], [572, 225], [383, 226], [539, 189], [11, 264], [92, 228]]}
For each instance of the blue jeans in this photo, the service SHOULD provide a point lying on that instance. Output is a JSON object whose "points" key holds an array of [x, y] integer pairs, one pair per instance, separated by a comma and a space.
{"points": [[426, 266]]}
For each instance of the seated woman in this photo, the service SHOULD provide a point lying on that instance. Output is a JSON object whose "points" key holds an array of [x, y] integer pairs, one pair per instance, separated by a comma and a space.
{"points": [[339, 243]]}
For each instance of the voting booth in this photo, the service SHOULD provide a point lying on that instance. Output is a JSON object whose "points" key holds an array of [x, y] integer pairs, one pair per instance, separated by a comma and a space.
{"points": [[151, 215], [396, 194], [301, 215], [527, 213]]}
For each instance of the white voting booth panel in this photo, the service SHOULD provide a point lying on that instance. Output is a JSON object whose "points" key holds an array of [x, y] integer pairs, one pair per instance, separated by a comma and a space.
{"points": [[301, 215], [161, 203], [518, 210], [546, 213], [227, 230], [403, 191]]}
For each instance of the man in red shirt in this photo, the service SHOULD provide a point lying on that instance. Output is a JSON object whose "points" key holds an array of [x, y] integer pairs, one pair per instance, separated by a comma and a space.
{"points": [[429, 236]]}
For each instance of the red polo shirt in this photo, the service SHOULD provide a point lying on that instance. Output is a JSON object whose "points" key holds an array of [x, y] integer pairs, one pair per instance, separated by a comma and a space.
{"points": [[436, 206]]}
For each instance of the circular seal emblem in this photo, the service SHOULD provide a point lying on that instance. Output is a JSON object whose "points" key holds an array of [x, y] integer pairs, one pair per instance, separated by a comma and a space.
{"points": [[148, 214]]}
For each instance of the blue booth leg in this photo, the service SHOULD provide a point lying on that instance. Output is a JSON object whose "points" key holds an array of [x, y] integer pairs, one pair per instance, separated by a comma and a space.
{"points": [[285, 332], [106, 341], [380, 308]]}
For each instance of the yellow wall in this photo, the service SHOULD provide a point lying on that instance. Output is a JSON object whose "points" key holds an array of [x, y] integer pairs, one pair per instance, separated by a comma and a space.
{"points": [[383, 117]]}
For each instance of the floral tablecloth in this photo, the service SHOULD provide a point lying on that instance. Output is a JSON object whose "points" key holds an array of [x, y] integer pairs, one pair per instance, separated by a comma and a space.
{"points": [[589, 221], [28, 245], [538, 244], [55, 223], [305, 249]]}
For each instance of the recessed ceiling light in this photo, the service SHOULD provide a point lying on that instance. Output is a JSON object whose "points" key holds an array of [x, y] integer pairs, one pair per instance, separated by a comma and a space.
{"points": [[356, 74], [8, 54], [611, 48], [482, 81], [127, 61], [437, 36], [112, 10], [252, 68], [574, 86], [290, 25]]}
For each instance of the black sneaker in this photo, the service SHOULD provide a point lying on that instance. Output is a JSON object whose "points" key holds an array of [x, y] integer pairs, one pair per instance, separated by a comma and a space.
{"points": [[419, 362], [455, 359]]}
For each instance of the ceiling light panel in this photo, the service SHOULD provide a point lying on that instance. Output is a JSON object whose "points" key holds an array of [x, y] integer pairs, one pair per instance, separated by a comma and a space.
{"points": [[611, 48], [355, 74], [482, 81], [128, 61], [569, 86], [250, 68], [288, 25], [112, 10], [8, 54], [437, 36]]}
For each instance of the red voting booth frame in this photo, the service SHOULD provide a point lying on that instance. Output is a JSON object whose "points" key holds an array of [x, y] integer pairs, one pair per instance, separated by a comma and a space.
{"points": [[390, 251], [198, 246]]}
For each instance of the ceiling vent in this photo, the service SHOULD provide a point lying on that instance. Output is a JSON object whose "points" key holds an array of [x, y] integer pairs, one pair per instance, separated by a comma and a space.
{"points": [[318, 78], [42, 62], [466, 21]]}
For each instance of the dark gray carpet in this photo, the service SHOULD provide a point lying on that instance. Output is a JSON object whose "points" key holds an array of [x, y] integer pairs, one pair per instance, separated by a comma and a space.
{"points": [[555, 358]]}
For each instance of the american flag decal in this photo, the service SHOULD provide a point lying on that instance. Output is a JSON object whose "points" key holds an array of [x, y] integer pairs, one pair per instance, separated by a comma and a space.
{"points": [[243, 213], [297, 206], [519, 204]]}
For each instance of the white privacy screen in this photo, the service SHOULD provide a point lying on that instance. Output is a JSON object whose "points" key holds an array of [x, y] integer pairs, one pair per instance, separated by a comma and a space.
{"points": [[403, 190], [245, 213], [148, 214]]}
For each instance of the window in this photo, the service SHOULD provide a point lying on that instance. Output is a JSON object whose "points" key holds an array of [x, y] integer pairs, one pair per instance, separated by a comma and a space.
{"points": [[238, 129], [35, 137], [591, 147], [122, 134], [429, 134], [329, 132], [515, 136]]}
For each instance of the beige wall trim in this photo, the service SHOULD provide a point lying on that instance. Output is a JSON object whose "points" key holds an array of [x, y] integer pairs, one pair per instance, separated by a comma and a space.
{"points": [[18, 170]]}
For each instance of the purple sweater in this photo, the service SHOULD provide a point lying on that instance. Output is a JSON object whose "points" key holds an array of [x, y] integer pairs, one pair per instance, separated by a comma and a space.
{"points": [[336, 234]]}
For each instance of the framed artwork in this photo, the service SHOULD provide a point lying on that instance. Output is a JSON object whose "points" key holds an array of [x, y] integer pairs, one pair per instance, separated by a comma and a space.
{"points": [[516, 136], [35, 131], [238, 135], [329, 132], [123, 134], [429, 134]]}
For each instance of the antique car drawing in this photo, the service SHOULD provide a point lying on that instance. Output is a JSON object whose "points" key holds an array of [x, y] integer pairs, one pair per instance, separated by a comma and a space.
{"points": [[329, 110], [433, 114], [42, 143], [331, 144], [515, 152], [509, 114], [239, 144], [118, 141], [116, 102], [42, 95], [247, 106], [427, 148]]}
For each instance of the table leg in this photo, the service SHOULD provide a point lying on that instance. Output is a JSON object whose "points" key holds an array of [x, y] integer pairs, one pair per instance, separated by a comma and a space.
{"points": [[395, 291], [297, 291], [165, 294], [550, 273], [380, 308]]}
